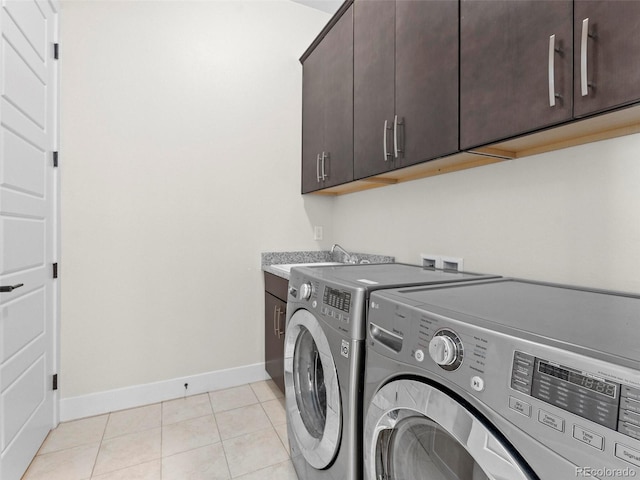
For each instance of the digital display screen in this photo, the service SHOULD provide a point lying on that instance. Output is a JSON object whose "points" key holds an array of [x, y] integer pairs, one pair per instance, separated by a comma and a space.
{"points": [[575, 378], [337, 299]]}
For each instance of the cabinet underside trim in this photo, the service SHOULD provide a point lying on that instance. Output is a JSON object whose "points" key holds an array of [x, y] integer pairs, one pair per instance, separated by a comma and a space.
{"points": [[579, 132]]}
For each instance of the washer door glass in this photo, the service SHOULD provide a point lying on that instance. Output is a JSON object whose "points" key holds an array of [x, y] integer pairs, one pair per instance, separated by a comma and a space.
{"points": [[308, 384], [419, 449], [414, 431], [314, 409]]}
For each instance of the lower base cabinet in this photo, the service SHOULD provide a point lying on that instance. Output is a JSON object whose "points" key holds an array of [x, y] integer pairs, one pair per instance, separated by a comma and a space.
{"points": [[275, 316]]}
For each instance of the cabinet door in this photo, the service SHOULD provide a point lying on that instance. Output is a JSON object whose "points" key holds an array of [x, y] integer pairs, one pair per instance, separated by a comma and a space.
{"points": [[338, 82], [313, 118], [327, 109], [426, 84], [607, 58], [274, 324], [505, 67], [373, 85]]}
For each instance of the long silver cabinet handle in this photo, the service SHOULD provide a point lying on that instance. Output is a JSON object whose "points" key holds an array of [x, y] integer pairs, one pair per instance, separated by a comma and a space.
{"points": [[552, 71], [318, 168], [278, 332], [324, 157], [396, 122], [275, 320], [384, 141], [584, 84]]}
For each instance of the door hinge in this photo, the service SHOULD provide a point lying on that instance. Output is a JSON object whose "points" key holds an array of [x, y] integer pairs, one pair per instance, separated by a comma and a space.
{"points": [[55, 270], [55, 159], [56, 51], [55, 381]]}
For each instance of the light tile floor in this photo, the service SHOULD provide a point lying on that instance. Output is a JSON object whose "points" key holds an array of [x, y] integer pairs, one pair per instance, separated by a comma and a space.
{"points": [[238, 433]]}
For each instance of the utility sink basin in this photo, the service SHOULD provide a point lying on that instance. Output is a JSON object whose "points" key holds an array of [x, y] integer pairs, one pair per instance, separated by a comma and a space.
{"points": [[286, 267]]}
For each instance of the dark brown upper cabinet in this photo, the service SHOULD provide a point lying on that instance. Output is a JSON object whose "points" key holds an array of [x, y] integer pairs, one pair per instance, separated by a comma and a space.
{"points": [[516, 67], [606, 55], [327, 108], [399, 90], [405, 83]]}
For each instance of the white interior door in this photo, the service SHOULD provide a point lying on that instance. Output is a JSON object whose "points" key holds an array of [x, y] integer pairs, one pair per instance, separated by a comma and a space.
{"points": [[28, 229]]}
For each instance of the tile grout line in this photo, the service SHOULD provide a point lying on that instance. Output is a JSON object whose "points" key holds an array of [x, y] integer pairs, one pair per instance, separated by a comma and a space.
{"points": [[224, 450], [95, 461], [161, 438], [286, 448]]}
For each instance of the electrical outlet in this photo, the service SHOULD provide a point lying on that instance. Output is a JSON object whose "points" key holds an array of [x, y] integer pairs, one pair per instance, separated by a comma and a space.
{"points": [[317, 232]]}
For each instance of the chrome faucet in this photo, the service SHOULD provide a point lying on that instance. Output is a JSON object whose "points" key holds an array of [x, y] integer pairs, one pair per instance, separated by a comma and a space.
{"points": [[348, 257]]}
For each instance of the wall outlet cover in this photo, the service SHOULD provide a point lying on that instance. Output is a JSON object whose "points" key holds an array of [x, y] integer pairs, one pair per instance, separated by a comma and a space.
{"points": [[452, 263], [430, 261]]}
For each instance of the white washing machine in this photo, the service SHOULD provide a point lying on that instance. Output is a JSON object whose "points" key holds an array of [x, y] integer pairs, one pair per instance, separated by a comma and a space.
{"points": [[324, 360], [502, 379]]}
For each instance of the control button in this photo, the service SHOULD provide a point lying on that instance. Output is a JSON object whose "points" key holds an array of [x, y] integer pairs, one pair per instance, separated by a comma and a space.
{"points": [[590, 438], [477, 384], [632, 393], [314, 304], [519, 406], [629, 417], [630, 405], [628, 454], [551, 420], [419, 355], [629, 430], [521, 386], [524, 358]]}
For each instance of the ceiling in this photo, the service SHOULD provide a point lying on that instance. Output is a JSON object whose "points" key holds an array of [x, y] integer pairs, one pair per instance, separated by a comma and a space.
{"points": [[329, 6]]}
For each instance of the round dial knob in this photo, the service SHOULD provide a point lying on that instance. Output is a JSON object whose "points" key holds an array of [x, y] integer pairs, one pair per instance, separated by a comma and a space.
{"points": [[305, 291], [443, 350]]}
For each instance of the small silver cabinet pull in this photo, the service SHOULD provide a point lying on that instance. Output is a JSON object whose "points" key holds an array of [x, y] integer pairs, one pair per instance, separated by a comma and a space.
{"points": [[10, 288], [583, 58]]}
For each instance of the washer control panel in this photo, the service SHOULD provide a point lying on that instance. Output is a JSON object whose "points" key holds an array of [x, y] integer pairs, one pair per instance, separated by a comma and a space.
{"points": [[337, 298], [338, 304]]}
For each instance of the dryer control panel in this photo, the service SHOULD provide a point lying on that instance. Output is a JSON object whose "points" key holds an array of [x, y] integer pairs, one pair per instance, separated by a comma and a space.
{"points": [[610, 404]]}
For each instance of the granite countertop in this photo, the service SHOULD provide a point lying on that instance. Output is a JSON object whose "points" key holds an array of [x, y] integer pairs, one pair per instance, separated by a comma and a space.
{"points": [[280, 258]]}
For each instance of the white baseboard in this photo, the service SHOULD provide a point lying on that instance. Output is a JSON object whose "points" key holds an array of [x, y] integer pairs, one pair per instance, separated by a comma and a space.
{"points": [[138, 395]]}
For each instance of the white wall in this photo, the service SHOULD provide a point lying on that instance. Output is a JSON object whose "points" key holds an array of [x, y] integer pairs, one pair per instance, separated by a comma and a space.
{"points": [[570, 216], [180, 163]]}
